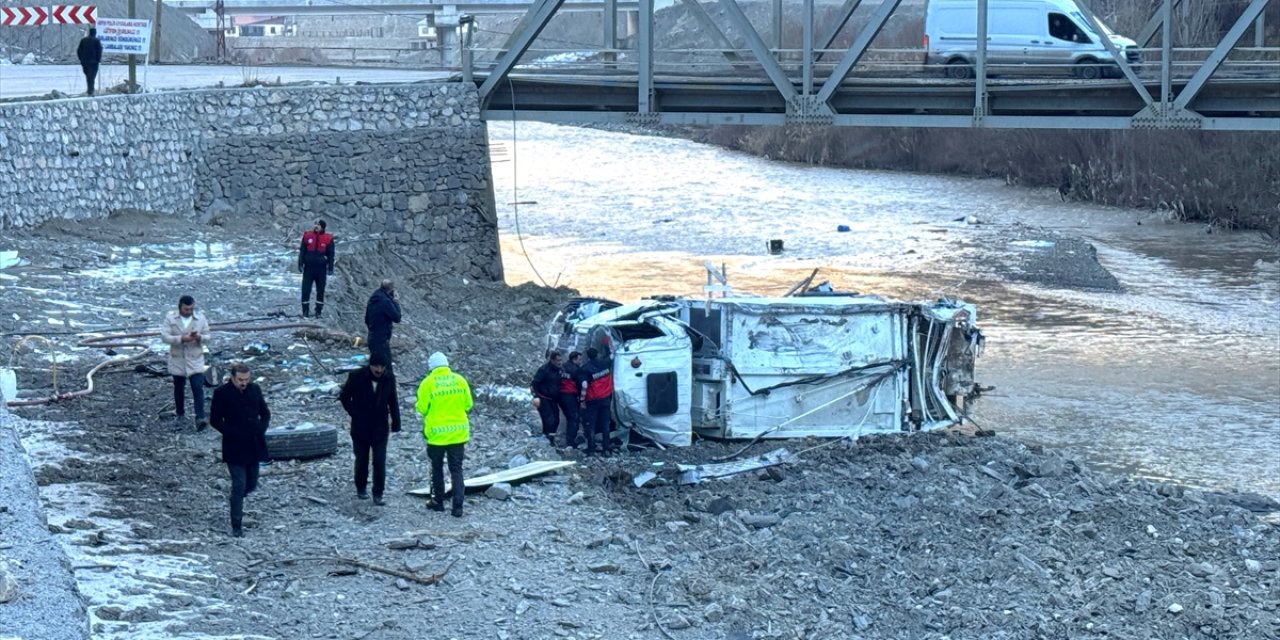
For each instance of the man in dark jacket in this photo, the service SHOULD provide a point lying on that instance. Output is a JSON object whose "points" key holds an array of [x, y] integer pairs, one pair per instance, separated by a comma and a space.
{"points": [[240, 414], [546, 390], [90, 54], [595, 400], [369, 396], [570, 384], [382, 311], [315, 261]]}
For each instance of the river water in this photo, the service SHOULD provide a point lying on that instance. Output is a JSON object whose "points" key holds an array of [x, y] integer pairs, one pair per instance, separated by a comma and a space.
{"points": [[1174, 376]]}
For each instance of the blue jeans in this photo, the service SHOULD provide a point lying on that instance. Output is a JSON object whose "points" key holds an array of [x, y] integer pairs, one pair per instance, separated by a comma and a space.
{"points": [[197, 394]]}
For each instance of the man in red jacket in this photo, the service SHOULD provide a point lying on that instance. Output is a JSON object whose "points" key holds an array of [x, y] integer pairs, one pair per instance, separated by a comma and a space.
{"points": [[315, 261], [595, 399]]}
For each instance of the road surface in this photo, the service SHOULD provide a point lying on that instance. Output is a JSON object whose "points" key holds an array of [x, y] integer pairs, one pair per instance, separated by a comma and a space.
{"points": [[33, 80]]}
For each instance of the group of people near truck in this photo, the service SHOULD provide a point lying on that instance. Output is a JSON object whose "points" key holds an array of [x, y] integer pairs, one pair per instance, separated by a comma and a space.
{"points": [[580, 390], [239, 411]]}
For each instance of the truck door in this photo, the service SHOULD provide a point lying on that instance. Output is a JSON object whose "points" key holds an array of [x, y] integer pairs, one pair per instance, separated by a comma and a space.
{"points": [[652, 384]]}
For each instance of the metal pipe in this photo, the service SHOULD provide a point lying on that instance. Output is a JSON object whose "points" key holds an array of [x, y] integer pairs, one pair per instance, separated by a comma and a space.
{"points": [[806, 46], [119, 340], [980, 68], [1166, 55]]}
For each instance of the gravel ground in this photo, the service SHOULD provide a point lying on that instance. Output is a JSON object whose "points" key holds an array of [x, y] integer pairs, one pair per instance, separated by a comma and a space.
{"points": [[38, 596], [929, 536]]}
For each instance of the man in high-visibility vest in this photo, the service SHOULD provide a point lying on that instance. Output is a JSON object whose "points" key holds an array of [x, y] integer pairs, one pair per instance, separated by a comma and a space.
{"points": [[444, 398]]}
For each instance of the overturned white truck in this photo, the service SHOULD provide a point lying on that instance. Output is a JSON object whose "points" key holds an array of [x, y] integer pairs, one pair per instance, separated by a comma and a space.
{"points": [[810, 365]]}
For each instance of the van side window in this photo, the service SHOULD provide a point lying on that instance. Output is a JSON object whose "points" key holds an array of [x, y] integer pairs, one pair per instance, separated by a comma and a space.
{"points": [[1063, 28]]}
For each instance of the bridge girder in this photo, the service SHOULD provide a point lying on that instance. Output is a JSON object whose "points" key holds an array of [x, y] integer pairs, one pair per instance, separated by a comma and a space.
{"points": [[1251, 104]]}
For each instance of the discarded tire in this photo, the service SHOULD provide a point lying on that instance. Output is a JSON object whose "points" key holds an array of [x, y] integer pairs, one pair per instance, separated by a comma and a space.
{"points": [[300, 441]]}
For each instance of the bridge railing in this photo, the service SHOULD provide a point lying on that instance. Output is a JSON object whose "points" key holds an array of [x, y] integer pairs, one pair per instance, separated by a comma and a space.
{"points": [[904, 63]]}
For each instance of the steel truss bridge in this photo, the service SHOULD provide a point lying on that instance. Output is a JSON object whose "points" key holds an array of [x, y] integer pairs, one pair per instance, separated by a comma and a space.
{"points": [[1229, 87]]}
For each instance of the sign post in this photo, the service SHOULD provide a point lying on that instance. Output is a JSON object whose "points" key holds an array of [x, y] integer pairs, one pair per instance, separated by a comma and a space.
{"points": [[124, 35]]}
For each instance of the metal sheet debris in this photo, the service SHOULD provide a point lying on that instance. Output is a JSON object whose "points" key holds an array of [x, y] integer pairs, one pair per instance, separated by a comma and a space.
{"points": [[695, 473], [515, 474]]}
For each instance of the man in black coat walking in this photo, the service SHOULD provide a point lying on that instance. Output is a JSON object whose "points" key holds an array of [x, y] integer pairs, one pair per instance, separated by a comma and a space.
{"points": [[369, 396], [382, 311], [240, 414], [90, 54]]}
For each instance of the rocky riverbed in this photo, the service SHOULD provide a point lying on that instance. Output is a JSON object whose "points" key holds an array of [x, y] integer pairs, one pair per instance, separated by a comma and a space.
{"points": [[927, 536]]}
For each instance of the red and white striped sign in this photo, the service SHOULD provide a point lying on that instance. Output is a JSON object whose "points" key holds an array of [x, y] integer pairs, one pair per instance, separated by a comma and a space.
{"points": [[75, 14], [23, 16]]}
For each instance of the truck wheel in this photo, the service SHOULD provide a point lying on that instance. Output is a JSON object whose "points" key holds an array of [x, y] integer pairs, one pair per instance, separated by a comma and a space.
{"points": [[959, 69], [301, 441], [1088, 69]]}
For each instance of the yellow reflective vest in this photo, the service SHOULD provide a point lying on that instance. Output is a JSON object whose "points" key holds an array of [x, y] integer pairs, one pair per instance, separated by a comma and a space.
{"points": [[444, 398]]}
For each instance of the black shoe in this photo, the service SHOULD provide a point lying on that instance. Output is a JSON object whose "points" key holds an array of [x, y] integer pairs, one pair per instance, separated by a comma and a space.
{"points": [[435, 505], [306, 310], [457, 512], [378, 501], [361, 495], [202, 424], [319, 310], [237, 532]]}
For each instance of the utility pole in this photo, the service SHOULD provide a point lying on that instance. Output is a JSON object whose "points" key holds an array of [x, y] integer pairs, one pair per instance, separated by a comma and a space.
{"points": [[133, 60], [155, 33]]}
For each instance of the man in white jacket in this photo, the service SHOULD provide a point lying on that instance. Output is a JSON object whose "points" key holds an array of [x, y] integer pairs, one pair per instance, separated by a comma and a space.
{"points": [[186, 331]]}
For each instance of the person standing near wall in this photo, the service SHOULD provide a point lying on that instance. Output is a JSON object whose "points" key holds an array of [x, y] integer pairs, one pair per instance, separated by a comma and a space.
{"points": [[315, 261], [186, 331], [240, 414], [444, 399], [90, 54], [382, 311]]}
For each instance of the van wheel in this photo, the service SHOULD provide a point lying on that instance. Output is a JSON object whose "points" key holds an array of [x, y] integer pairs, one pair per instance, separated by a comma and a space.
{"points": [[959, 70], [1088, 69]]}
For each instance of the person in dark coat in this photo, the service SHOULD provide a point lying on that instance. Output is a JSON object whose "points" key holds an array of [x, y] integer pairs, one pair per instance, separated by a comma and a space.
{"points": [[369, 396], [90, 54], [570, 383], [240, 414], [315, 262], [382, 311], [546, 390]]}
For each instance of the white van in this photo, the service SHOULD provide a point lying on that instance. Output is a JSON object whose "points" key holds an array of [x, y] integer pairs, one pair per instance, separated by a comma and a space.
{"points": [[1038, 37]]}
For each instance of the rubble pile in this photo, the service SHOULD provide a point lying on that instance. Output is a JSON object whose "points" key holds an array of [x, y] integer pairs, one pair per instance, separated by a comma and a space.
{"points": [[924, 536]]}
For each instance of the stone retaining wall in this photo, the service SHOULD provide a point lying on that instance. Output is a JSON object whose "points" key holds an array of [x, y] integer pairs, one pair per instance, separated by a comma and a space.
{"points": [[408, 163]]}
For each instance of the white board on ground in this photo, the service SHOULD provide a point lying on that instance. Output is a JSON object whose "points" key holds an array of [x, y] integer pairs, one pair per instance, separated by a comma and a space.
{"points": [[521, 472]]}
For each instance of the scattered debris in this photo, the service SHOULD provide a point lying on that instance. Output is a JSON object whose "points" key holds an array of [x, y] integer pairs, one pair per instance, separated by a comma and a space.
{"points": [[693, 474]]}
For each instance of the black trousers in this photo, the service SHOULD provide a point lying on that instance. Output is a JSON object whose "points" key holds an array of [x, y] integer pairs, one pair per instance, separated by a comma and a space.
{"points": [[549, 412], [572, 417], [244, 479], [318, 277], [364, 452], [595, 421], [90, 75], [437, 454], [197, 394]]}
